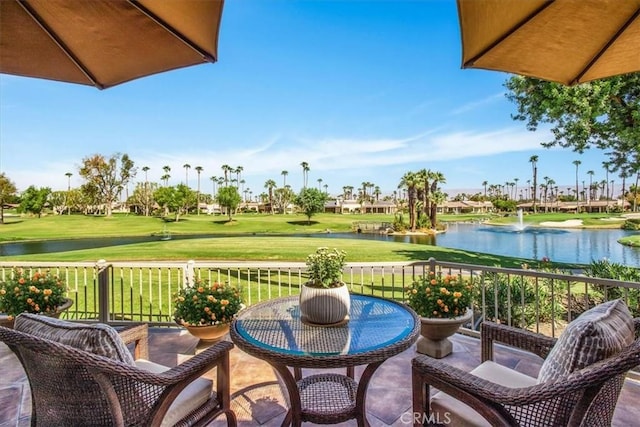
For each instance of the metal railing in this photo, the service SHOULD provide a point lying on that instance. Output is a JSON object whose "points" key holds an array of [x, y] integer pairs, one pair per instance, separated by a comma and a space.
{"points": [[121, 292]]}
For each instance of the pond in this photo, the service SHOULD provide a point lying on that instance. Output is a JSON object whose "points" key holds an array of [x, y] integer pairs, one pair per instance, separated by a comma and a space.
{"points": [[561, 245]]}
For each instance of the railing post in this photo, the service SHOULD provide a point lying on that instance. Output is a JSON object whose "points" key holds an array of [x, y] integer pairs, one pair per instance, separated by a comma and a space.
{"points": [[103, 291], [188, 273], [432, 265]]}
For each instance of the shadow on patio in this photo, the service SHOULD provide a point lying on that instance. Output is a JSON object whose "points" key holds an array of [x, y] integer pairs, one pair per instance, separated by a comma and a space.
{"points": [[257, 400]]}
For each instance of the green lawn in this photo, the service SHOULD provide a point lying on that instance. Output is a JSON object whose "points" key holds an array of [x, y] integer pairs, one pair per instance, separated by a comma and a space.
{"points": [[235, 245]]}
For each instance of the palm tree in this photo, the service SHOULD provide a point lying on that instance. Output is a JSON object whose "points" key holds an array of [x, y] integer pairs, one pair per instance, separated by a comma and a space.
{"points": [[363, 192], [577, 163], [534, 165], [591, 174], [239, 170], [198, 169], [326, 188], [624, 174], [166, 175], [214, 181], [319, 184], [186, 167], [436, 178], [376, 192], [544, 188], [68, 175], [516, 184], [305, 173], [270, 185], [226, 169], [284, 178], [550, 183], [423, 189], [484, 184], [409, 181], [145, 169]]}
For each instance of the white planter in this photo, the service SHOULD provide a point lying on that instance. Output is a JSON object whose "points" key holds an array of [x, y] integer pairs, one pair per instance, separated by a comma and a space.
{"points": [[435, 333], [324, 306]]}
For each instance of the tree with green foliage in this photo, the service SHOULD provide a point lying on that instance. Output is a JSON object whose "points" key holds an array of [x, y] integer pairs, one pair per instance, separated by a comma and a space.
{"points": [[89, 198], [33, 200], [282, 198], [602, 113], [142, 196], [229, 198], [311, 201], [176, 199], [58, 202], [108, 176], [7, 192]]}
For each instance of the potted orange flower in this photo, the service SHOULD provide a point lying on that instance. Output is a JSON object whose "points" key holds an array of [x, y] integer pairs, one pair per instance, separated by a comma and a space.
{"points": [[206, 309], [40, 292], [442, 301]]}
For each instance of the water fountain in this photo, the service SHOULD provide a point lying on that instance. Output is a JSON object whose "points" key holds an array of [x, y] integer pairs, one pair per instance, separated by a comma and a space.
{"points": [[520, 226]]}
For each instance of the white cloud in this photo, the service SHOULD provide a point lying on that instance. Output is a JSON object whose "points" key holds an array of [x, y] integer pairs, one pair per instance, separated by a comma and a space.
{"points": [[327, 157], [479, 104]]}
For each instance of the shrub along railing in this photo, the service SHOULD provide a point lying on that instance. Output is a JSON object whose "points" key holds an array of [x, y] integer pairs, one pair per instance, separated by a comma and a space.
{"points": [[541, 299]]}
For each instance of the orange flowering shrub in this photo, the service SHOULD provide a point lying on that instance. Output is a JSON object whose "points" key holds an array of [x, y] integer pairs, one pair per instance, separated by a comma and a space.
{"points": [[27, 292], [440, 295], [203, 303]]}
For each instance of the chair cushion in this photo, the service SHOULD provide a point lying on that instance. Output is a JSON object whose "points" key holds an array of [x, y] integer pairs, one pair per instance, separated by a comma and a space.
{"points": [[451, 411], [96, 338], [193, 396], [596, 334]]}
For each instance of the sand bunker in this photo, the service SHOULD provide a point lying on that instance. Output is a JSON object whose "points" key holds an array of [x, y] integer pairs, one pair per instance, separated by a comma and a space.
{"points": [[564, 224]]}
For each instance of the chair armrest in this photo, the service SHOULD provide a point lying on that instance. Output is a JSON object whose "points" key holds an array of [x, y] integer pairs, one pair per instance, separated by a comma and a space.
{"points": [[514, 337], [462, 384], [138, 335], [202, 362]]}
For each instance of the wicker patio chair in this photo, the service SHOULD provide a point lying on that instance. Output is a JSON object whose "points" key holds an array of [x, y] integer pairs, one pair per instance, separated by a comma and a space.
{"points": [[494, 395], [85, 375]]}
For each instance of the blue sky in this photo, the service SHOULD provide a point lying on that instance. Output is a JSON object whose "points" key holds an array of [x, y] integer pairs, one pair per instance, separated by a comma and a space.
{"points": [[360, 90]]}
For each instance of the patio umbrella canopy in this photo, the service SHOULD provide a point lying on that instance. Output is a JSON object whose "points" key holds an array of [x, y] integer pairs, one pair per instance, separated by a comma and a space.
{"points": [[106, 42], [566, 41]]}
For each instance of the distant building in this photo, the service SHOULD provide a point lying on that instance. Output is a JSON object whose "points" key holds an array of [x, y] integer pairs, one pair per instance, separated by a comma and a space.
{"points": [[341, 206]]}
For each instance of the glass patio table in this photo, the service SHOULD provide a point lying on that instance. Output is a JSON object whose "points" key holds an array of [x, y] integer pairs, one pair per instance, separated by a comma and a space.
{"points": [[377, 329]]}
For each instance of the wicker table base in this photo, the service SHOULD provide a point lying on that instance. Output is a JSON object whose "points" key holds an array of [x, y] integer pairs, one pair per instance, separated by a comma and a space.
{"points": [[274, 332]]}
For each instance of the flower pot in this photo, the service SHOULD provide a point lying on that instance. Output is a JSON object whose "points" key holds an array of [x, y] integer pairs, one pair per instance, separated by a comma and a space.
{"points": [[4, 321], [324, 306], [209, 333], [435, 333]]}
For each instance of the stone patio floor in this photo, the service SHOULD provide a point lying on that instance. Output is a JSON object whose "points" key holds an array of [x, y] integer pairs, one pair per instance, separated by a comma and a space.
{"points": [[256, 396]]}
